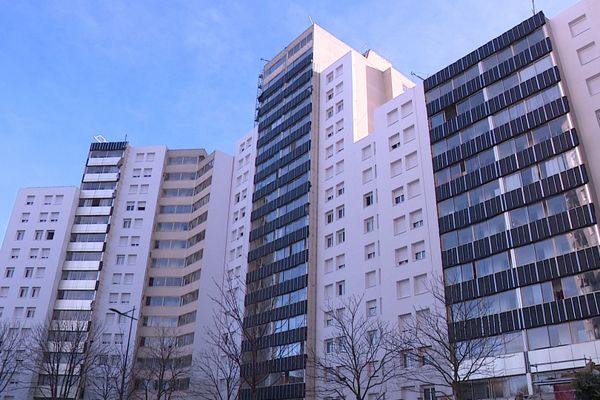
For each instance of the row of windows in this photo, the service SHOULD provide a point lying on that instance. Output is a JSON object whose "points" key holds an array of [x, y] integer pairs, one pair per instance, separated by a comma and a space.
{"points": [[48, 199], [526, 176], [37, 235], [43, 217], [22, 292], [28, 272], [34, 253]]}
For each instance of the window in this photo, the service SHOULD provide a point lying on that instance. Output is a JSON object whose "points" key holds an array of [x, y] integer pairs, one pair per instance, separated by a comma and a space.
{"points": [[137, 172], [370, 251], [396, 167], [150, 157], [329, 113], [43, 217], [329, 151], [371, 308], [30, 312], [40, 272], [113, 298], [130, 206], [20, 235], [368, 199], [340, 261], [329, 265], [329, 77], [139, 157], [394, 141], [54, 217], [398, 196], [4, 291], [341, 212], [593, 84], [401, 256], [339, 88], [339, 107], [339, 188], [49, 235], [33, 253], [370, 279], [28, 272], [135, 241], [367, 152], [579, 25], [25, 217], [128, 279], [126, 223], [329, 217], [403, 289], [38, 235], [411, 160], [420, 283], [416, 219], [120, 259], [131, 259], [14, 253], [133, 189], [369, 224], [329, 291], [367, 175], [339, 167], [9, 272], [392, 117], [340, 288], [587, 53], [339, 126], [340, 236], [329, 347], [329, 319], [125, 298], [329, 131], [116, 278], [147, 172], [418, 250], [141, 205], [45, 253], [23, 292], [339, 70], [329, 241], [329, 94], [399, 225], [413, 189], [409, 134], [47, 200], [29, 200], [406, 109], [429, 393]]}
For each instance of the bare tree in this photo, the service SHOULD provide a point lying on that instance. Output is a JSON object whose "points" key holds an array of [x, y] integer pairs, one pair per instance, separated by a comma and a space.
{"points": [[445, 362], [236, 336], [61, 354], [162, 368], [107, 373], [219, 375], [362, 355], [11, 347]]}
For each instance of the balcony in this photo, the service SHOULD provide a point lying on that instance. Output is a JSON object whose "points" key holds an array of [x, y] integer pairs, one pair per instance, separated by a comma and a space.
{"points": [[85, 246], [93, 211], [104, 161], [89, 228], [107, 177], [77, 285], [96, 194], [81, 266], [73, 305]]}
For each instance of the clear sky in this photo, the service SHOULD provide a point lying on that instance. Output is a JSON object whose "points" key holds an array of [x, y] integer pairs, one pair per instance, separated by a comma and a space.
{"points": [[184, 73]]}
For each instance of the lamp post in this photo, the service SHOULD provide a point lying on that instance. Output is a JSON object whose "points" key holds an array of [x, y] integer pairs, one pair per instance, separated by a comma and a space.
{"points": [[131, 319]]}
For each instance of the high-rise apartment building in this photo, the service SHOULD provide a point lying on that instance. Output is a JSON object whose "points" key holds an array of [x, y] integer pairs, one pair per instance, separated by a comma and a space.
{"points": [[143, 237], [333, 195], [513, 133]]}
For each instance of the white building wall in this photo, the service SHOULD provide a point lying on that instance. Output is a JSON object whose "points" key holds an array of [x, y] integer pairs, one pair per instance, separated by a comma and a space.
{"points": [[129, 242], [31, 260]]}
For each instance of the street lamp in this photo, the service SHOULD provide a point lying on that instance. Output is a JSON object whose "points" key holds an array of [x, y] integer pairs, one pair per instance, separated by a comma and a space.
{"points": [[131, 319]]}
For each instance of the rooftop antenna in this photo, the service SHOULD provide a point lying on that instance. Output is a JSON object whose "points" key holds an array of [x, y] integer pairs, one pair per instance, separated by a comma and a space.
{"points": [[264, 59], [125, 137], [533, 6], [311, 20], [413, 74], [100, 139]]}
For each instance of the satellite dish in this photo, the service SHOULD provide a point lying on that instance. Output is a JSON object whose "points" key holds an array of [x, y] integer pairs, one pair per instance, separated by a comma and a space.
{"points": [[100, 139]]}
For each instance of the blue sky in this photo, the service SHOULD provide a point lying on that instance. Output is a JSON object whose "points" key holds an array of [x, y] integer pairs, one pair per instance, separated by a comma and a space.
{"points": [[184, 73]]}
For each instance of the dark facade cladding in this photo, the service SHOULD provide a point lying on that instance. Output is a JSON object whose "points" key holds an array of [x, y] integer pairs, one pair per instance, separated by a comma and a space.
{"points": [[276, 301], [518, 228]]}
